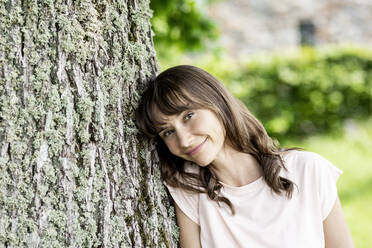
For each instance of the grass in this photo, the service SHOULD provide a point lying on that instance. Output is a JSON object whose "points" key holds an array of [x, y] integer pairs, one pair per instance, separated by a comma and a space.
{"points": [[352, 153]]}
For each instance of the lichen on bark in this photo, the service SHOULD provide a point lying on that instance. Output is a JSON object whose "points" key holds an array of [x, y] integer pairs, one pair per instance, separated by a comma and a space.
{"points": [[71, 173]]}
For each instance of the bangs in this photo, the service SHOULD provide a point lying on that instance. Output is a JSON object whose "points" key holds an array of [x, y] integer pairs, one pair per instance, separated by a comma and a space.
{"points": [[167, 101]]}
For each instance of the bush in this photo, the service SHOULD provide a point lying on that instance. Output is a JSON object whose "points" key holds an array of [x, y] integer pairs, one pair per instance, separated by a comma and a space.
{"points": [[181, 25], [311, 91]]}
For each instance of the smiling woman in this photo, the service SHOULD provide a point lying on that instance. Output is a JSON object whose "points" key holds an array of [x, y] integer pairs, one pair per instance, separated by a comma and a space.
{"points": [[232, 185], [194, 135]]}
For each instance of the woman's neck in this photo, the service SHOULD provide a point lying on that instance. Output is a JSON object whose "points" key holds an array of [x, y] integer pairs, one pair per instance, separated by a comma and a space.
{"points": [[236, 168]]}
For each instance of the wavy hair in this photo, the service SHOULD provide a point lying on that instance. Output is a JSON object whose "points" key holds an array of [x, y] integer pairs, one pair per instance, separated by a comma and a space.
{"points": [[187, 87]]}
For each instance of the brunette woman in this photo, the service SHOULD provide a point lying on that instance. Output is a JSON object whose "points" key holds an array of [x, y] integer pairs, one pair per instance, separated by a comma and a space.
{"points": [[232, 185]]}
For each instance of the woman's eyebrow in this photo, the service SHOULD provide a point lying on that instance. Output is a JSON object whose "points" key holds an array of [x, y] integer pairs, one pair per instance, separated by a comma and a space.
{"points": [[162, 126]]}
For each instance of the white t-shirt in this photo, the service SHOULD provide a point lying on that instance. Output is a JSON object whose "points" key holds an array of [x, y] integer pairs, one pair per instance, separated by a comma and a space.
{"points": [[263, 218]]}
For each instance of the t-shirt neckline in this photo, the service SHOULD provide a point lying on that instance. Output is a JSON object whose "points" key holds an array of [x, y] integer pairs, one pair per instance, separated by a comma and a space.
{"points": [[250, 187]]}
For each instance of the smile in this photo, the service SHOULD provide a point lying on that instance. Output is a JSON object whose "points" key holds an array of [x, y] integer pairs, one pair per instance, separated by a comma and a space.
{"points": [[197, 148]]}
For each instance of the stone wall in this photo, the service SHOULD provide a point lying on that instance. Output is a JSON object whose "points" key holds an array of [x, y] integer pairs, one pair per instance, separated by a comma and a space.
{"points": [[248, 26]]}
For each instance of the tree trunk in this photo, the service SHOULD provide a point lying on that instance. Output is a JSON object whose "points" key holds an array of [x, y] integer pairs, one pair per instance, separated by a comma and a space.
{"points": [[74, 171]]}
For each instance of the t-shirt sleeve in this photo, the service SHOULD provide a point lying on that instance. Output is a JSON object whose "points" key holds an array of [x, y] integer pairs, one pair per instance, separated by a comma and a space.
{"points": [[328, 176], [187, 202]]}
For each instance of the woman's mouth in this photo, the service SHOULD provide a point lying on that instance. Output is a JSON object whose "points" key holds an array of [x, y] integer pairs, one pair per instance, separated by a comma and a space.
{"points": [[197, 148]]}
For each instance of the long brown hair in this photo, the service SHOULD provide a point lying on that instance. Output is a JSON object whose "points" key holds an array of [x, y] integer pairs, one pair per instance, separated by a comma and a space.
{"points": [[187, 87]]}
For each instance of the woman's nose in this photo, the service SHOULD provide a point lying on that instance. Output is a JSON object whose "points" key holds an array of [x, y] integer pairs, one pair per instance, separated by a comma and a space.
{"points": [[184, 138]]}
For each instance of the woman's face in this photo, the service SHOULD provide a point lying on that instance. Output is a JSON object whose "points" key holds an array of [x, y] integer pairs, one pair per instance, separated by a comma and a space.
{"points": [[194, 135]]}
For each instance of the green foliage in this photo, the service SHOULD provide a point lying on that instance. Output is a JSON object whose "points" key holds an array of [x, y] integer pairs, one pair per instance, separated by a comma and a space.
{"points": [[181, 24], [311, 91]]}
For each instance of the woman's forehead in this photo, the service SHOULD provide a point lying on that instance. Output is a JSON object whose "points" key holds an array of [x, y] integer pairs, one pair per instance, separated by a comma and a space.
{"points": [[169, 108], [165, 107], [159, 117]]}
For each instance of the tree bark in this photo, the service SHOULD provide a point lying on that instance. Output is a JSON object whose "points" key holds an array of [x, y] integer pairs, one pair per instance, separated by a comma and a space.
{"points": [[74, 171]]}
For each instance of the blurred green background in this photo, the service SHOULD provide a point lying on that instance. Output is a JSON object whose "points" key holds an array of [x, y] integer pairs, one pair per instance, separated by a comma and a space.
{"points": [[317, 97]]}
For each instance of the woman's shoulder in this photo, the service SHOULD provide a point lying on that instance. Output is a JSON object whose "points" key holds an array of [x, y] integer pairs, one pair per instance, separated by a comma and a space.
{"points": [[301, 156], [299, 161]]}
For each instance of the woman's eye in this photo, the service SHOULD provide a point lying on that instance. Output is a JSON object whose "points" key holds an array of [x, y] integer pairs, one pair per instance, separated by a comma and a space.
{"points": [[167, 133], [188, 116]]}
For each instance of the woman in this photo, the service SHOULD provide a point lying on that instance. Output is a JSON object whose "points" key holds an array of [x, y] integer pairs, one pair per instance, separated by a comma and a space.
{"points": [[232, 185]]}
